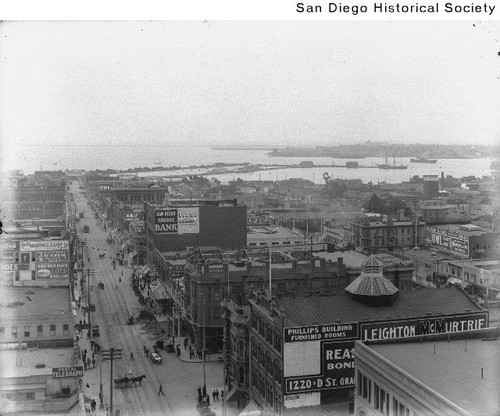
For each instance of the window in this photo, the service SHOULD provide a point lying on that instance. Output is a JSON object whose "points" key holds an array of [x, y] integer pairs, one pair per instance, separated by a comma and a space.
{"points": [[30, 396], [39, 331], [14, 332], [399, 409], [26, 331], [65, 329], [364, 387], [52, 330], [2, 331]]}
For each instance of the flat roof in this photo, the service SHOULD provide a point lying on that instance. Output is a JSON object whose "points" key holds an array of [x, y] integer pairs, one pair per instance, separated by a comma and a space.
{"points": [[351, 258], [265, 231], [413, 303], [426, 254], [51, 357], [453, 369], [33, 301], [470, 233]]}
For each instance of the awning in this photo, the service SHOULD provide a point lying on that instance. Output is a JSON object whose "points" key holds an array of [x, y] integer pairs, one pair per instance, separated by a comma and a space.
{"points": [[455, 281], [132, 254], [144, 269], [252, 409], [23, 387]]}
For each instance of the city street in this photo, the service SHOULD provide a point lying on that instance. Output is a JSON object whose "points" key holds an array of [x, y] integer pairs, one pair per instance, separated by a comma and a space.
{"points": [[114, 304]]}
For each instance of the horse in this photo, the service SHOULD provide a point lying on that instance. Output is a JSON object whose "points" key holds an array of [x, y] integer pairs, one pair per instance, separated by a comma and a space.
{"points": [[139, 379]]}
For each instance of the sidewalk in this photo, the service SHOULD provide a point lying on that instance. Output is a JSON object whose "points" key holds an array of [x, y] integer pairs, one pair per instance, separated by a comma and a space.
{"points": [[91, 381]]}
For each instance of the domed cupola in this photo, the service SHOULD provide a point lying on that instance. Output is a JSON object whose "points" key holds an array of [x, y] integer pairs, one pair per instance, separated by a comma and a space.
{"points": [[371, 287]]}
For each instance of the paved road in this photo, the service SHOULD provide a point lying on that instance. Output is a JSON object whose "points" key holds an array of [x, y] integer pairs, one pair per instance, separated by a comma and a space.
{"points": [[114, 305]]}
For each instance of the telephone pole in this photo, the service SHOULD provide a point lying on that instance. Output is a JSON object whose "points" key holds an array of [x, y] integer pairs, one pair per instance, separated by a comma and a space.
{"points": [[111, 354]]}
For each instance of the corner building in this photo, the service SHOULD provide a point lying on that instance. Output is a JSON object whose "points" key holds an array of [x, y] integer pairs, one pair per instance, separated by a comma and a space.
{"points": [[301, 349]]}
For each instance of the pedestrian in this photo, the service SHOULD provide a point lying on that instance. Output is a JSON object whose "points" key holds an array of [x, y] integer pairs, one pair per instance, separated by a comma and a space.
{"points": [[161, 390], [88, 362], [208, 399], [88, 259], [91, 288], [131, 356], [199, 393], [93, 362], [185, 343], [93, 354], [122, 273], [178, 349], [213, 395], [120, 279]]}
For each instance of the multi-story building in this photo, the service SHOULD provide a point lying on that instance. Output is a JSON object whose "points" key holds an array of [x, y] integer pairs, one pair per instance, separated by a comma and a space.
{"points": [[185, 223], [464, 241], [301, 349], [28, 260], [262, 235], [40, 368], [372, 236], [414, 378]]}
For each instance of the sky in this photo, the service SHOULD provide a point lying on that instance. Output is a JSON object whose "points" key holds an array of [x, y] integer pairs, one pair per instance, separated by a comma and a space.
{"points": [[297, 83]]}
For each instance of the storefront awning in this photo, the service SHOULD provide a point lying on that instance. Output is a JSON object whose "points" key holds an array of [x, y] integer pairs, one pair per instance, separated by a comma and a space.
{"points": [[460, 282]]}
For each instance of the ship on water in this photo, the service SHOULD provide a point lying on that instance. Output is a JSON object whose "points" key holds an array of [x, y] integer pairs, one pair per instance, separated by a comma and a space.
{"points": [[393, 166], [422, 160]]}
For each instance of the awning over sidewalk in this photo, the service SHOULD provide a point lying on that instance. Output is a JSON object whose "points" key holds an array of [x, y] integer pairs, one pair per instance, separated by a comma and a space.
{"points": [[144, 269], [251, 409], [12, 387], [460, 282]]}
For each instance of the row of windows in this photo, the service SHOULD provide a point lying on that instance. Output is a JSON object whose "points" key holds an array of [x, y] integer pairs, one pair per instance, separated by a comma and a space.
{"points": [[140, 197], [262, 358], [267, 331], [267, 392], [380, 398], [275, 243], [14, 331]]}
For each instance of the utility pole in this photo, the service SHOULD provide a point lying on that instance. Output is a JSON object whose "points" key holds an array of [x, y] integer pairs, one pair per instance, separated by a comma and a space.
{"points": [[204, 340], [111, 354], [88, 301]]}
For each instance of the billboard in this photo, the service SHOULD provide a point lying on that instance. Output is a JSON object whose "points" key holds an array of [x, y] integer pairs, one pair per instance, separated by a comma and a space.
{"points": [[415, 327], [318, 357], [450, 242], [177, 221]]}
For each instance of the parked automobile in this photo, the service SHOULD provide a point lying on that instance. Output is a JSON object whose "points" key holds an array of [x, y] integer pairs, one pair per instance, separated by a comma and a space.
{"points": [[155, 357]]}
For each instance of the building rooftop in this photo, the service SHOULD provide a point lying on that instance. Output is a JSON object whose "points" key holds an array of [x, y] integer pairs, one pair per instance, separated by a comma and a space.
{"points": [[469, 230], [22, 363], [371, 281], [264, 232], [32, 301], [412, 303], [453, 369], [427, 255]]}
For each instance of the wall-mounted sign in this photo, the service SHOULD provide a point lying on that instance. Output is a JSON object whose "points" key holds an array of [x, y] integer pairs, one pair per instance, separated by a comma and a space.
{"points": [[44, 245], [415, 327], [177, 221], [67, 372], [448, 241]]}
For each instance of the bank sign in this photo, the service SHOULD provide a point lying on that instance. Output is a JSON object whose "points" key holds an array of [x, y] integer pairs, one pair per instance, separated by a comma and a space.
{"points": [[67, 372], [450, 242], [177, 221]]}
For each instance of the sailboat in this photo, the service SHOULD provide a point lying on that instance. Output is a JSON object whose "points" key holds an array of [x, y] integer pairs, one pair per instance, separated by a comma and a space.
{"points": [[393, 166]]}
